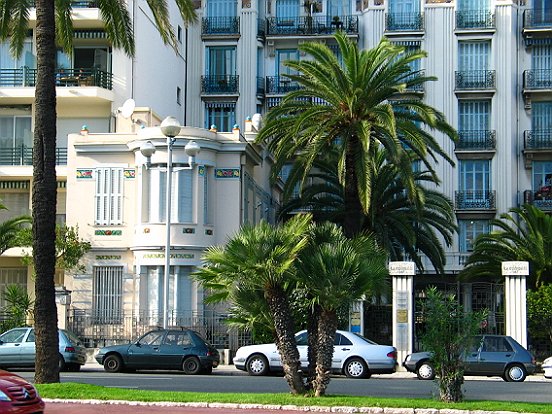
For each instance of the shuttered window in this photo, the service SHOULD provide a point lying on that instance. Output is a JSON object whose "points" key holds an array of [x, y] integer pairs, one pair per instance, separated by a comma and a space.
{"points": [[474, 115], [468, 231], [109, 196], [108, 294], [221, 8], [287, 9], [181, 196], [475, 176], [404, 6], [473, 55]]}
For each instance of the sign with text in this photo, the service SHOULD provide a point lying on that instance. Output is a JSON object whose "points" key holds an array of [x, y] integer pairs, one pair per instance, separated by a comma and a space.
{"points": [[515, 268], [402, 269]]}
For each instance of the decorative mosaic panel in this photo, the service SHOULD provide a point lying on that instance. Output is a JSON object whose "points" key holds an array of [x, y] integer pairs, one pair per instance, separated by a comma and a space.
{"points": [[108, 257], [201, 170], [108, 232], [129, 173], [188, 230], [173, 256], [85, 174], [209, 232], [227, 173]]}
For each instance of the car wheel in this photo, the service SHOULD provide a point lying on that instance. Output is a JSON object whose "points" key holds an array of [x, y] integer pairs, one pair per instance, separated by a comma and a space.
{"points": [[257, 365], [113, 363], [191, 366], [356, 368], [425, 371], [61, 364], [515, 373]]}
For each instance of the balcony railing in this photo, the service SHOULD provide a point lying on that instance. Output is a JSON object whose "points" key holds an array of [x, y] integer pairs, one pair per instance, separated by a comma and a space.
{"points": [[23, 155], [220, 26], [475, 79], [26, 77], [537, 79], [537, 19], [305, 25], [475, 19], [220, 84], [401, 22], [538, 139], [475, 200], [541, 198], [476, 140], [80, 4], [420, 87], [280, 85]]}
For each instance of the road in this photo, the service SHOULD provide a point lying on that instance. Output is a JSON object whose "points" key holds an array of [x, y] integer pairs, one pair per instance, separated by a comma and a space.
{"points": [[230, 381]]}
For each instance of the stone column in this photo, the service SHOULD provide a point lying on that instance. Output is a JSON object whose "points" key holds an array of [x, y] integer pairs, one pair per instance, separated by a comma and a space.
{"points": [[403, 308], [515, 290]]}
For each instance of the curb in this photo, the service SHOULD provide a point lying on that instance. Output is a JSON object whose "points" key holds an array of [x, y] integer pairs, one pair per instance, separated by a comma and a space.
{"points": [[313, 408]]}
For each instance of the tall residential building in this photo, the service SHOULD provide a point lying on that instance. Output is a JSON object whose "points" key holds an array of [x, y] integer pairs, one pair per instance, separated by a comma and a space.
{"points": [[492, 59]]}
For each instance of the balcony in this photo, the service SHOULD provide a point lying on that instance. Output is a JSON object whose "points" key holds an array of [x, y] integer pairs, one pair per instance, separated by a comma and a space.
{"points": [[535, 21], [476, 141], [220, 26], [279, 85], [26, 77], [541, 198], [537, 80], [310, 26], [23, 155], [404, 22], [475, 19], [538, 139], [475, 200], [220, 84], [475, 80]]}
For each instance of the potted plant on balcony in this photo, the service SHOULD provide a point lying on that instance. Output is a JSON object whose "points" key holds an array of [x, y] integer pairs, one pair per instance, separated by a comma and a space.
{"points": [[311, 6]]}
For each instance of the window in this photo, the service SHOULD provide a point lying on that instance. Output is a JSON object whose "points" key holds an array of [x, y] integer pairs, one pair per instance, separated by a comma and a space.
{"points": [[12, 276], [7, 61], [221, 60], [178, 339], [178, 95], [287, 9], [474, 115], [107, 294], [283, 55], [15, 132], [221, 8], [109, 196], [85, 57], [15, 336], [468, 232], [404, 6], [542, 10], [541, 118], [152, 338], [542, 176], [473, 56], [17, 203], [469, 5], [220, 114], [182, 195], [541, 62], [475, 183], [340, 8], [180, 290]]}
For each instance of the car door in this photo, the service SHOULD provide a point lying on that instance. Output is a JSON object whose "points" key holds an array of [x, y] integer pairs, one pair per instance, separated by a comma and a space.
{"points": [[496, 353], [343, 347], [471, 355], [27, 352], [10, 346], [144, 353], [175, 345]]}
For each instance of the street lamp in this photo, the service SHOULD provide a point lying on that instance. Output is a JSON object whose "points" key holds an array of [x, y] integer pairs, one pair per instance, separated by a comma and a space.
{"points": [[171, 128]]}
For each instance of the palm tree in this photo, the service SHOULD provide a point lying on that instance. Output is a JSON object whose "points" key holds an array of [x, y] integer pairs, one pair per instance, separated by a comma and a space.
{"points": [[335, 271], [402, 227], [10, 231], [522, 234], [261, 258], [54, 26], [357, 105]]}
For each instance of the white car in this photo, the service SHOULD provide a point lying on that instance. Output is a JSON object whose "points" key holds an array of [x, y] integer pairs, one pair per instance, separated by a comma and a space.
{"points": [[354, 356], [547, 367]]}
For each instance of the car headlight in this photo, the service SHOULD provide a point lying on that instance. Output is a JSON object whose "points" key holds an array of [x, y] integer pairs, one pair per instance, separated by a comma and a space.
{"points": [[4, 396]]}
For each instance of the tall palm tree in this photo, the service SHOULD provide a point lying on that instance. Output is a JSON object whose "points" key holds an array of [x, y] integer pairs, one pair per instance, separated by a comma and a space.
{"points": [[524, 234], [262, 258], [356, 102], [402, 227], [54, 26], [335, 271]]}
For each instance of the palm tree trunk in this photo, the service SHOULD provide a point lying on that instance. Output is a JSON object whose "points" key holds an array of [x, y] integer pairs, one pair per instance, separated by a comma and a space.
{"points": [[326, 337], [352, 222], [44, 197], [312, 329], [285, 338]]}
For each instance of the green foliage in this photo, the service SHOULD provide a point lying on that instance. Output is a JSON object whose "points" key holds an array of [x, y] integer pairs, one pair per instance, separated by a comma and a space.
{"points": [[523, 234], [18, 308], [539, 312], [70, 248], [449, 331], [10, 231]]}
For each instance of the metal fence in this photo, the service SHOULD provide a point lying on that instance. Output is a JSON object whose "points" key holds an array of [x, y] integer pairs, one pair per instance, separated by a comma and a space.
{"points": [[97, 330]]}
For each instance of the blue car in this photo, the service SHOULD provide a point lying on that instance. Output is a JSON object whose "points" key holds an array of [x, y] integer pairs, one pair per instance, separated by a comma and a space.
{"points": [[17, 349], [167, 349]]}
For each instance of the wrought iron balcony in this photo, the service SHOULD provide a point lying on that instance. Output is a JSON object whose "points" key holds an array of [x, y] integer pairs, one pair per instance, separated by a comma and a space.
{"points": [[26, 77], [418, 88], [538, 139], [220, 84], [23, 155], [280, 85], [537, 20], [475, 19], [475, 79], [313, 25], [404, 22], [475, 200], [476, 140], [220, 26], [541, 198], [80, 4], [537, 79]]}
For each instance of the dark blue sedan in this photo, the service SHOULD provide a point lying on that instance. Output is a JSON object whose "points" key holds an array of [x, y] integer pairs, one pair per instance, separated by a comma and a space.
{"points": [[162, 349]]}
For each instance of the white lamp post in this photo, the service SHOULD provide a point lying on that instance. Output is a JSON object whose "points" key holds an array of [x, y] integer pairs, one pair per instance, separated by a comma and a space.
{"points": [[170, 128]]}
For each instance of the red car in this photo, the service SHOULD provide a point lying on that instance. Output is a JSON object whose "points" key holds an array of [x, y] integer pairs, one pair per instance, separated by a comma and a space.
{"points": [[17, 396]]}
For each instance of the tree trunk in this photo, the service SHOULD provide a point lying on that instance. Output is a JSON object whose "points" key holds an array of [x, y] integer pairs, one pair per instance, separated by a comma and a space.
{"points": [[44, 189], [327, 326], [352, 222], [450, 383], [285, 338], [312, 330]]}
